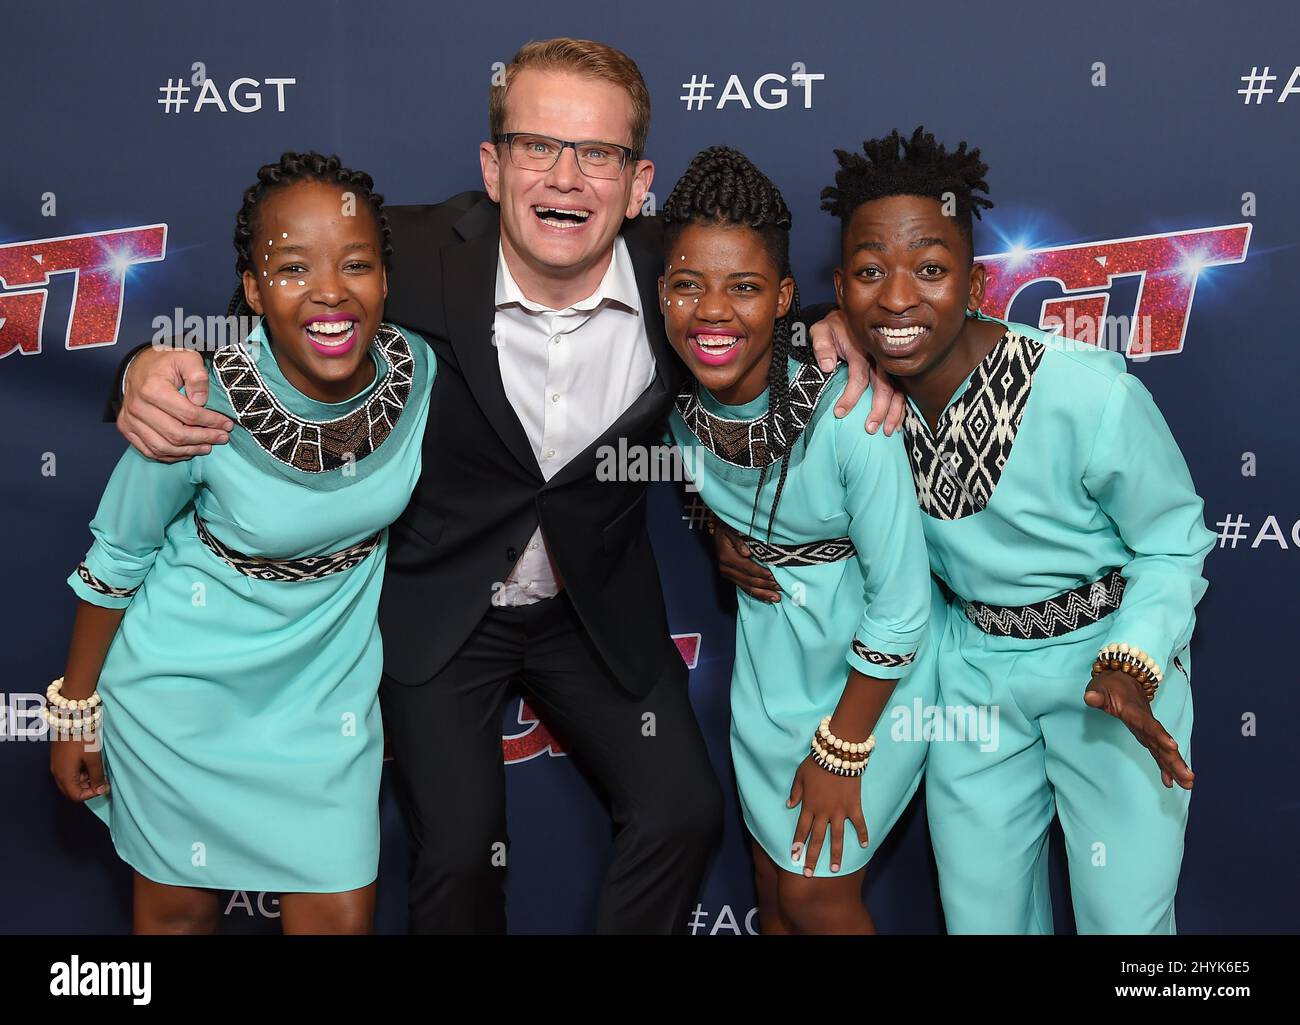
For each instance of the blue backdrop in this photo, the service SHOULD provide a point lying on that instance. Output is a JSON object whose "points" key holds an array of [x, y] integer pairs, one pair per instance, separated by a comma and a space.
{"points": [[1159, 141]]}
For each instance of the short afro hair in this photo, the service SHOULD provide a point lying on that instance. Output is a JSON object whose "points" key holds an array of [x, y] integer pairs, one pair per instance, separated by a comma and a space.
{"points": [[919, 166]]}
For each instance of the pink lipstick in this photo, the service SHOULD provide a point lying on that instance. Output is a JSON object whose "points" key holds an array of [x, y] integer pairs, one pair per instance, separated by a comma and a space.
{"points": [[717, 346], [332, 334]]}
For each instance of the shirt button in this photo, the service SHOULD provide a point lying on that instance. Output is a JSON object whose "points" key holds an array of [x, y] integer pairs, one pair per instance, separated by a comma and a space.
{"points": [[550, 453], [533, 547], [555, 340], [555, 397]]}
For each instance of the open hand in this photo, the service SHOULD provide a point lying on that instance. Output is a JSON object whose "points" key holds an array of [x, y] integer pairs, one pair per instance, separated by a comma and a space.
{"points": [[827, 801], [1120, 695]]}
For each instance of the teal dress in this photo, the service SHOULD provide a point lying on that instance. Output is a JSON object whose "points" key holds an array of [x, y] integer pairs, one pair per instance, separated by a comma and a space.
{"points": [[241, 736], [848, 552], [1060, 513]]}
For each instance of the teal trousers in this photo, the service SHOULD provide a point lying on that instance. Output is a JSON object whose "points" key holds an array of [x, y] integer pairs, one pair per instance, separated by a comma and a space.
{"points": [[991, 797]]}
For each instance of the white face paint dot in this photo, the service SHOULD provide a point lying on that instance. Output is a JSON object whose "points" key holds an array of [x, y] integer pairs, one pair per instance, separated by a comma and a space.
{"points": [[283, 282], [682, 258], [284, 234], [270, 284], [697, 300], [263, 273], [302, 282], [679, 302], [269, 241]]}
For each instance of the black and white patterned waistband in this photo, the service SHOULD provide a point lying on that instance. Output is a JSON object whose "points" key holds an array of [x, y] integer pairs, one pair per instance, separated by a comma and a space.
{"points": [[311, 567], [1053, 617], [810, 553]]}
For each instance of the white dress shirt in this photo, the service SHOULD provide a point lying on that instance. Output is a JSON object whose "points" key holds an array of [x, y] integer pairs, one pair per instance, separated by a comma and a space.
{"points": [[569, 374]]}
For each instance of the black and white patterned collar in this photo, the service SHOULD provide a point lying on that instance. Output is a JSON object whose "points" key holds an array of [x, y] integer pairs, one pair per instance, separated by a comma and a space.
{"points": [[748, 443], [957, 468], [317, 446]]}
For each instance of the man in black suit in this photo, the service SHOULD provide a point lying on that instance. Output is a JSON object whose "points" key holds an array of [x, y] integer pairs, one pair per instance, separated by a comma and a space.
{"points": [[513, 562]]}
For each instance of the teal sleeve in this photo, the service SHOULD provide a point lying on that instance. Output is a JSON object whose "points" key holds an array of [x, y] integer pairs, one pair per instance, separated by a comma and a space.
{"points": [[885, 528], [141, 498], [1140, 479]]}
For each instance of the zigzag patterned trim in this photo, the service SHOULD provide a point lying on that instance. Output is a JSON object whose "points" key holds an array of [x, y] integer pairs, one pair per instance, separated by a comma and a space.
{"points": [[316, 446], [747, 443], [95, 584], [881, 658], [312, 567], [810, 553], [957, 470], [1053, 617]]}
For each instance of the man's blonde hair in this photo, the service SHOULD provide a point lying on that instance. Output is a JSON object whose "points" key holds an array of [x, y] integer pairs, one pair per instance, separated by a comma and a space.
{"points": [[579, 57]]}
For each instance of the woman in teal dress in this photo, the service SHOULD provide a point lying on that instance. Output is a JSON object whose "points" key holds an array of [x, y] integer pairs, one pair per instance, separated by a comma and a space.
{"points": [[228, 602], [1060, 513], [831, 510]]}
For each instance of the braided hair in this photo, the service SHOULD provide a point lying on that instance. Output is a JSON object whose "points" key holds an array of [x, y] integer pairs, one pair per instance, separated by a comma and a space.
{"points": [[723, 187], [919, 166], [291, 169]]}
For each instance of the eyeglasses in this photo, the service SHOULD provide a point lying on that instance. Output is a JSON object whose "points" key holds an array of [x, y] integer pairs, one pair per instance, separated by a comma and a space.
{"points": [[541, 152]]}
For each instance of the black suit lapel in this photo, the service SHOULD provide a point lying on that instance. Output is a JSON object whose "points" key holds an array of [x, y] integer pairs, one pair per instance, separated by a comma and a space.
{"points": [[469, 290], [644, 238], [641, 416]]}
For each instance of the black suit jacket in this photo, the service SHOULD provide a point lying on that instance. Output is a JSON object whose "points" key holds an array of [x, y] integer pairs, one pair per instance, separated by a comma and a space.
{"points": [[481, 494]]}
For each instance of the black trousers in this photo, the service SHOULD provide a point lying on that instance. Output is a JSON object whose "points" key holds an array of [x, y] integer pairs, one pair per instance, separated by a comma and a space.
{"points": [[446, 742]]}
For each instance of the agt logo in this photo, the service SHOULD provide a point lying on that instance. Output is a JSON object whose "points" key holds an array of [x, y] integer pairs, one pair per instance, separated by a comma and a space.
{"points": [[1167, 267], [769, 91], [98, 263]]}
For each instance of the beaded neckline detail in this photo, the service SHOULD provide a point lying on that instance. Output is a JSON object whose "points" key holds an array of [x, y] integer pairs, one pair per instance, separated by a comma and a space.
{"points": [[957, 468], [318, 446], [748, 443]]}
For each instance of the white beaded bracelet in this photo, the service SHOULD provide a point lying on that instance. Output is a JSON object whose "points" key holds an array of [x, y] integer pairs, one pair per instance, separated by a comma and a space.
{"points": [[88, 722], [834, 743], [1134, 656], [54, 696], [845, 768], [837, 760], [1132, 661]]}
